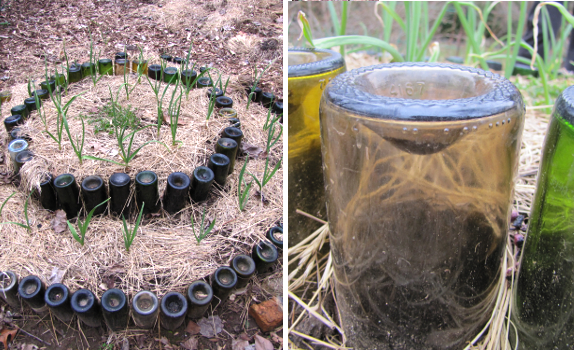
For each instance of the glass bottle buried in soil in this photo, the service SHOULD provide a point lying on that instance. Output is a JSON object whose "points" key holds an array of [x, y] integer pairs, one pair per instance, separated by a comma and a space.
{"points": [[309, 71], [120, 199], [229, 148], [115, 309], [31, 290], [121, 66], [202, 180], [542, 308], [220, 165], [224, 281], [21, 159], [177, 192], [145, 309], [105, 66], [9, 289], [265, 256], [68, 194], [200, 296], [419, 162], [94, 193], [57, 297], [140, 67], [12, 121], [275, 235], [173, 309], [74, 74], [48, 193], [21, 110], [245, 268], [85, 305], [147, 191]]}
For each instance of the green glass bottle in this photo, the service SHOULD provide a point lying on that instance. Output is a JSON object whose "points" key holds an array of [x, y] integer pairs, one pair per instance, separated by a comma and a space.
{"points": [[542, 307]]}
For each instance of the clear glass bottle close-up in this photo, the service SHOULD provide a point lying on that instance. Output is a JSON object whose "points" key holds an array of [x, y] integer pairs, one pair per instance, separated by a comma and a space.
{"points": [[309, 71], [419, 165]]}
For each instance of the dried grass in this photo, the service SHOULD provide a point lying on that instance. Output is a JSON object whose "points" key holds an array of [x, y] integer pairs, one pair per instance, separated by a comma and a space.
{"points": [[164, 255], [311, 268]]}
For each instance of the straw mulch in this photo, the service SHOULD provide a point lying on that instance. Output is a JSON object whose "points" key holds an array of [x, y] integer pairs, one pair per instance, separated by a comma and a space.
{"points": [[313, 316], [164, 256]]}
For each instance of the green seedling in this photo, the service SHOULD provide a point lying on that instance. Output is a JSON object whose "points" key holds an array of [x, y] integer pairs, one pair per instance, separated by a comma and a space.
{"points": [[243, 195], [174, 111], [83, 226], [130, 235], [271, 120], [78, 143], [159, 100], [267, 176], [94, 58], [272, 139], [30, 90], [27, 225], [202, 231]]}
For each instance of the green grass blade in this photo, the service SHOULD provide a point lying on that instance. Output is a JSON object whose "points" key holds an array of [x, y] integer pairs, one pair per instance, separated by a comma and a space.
{"points": [[6, 201], [333, 16], [306, 30], [74, 233], [512, 56], [269, 177], [325, 43]]}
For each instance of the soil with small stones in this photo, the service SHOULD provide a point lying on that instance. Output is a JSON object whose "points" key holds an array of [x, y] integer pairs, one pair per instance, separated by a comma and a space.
{"points": [[34, 32]]}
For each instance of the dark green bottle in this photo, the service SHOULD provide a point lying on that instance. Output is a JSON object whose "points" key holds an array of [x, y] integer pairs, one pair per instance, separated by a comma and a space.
{"points": [[201, 183], [265, 256], [170, 75], [30, 103], [31, 290], [47, 193], [188, 77], [245, 268], [9, 289], [21, 110], [74, 74], [120, 200], [220, 165], [94, 193], [204, 82], [234, 134], [68, 195], [48, 85], [155, 71], [173, 310], [57, 297], [115, 309], [229, 148], [177, 192], [88, 69], [85, 305], [147, 191], [224, 281], [542, 309], [200, 296]]}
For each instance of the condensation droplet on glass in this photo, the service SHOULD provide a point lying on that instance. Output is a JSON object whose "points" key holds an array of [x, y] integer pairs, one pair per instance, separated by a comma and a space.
{"points": [[446, 130], [404, 130], [497, 124], [415, 130], [503, 122], [490, 125]]}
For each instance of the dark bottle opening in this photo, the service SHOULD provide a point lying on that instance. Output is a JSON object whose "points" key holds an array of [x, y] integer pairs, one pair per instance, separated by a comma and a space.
{"points": [[267, 99], [120, 56], [177, 192], [147, 191], [229, 148], [235, 122], [224, 102], [85, 305], [201, 183], [105, 66], [21, 110], [68, 194], [188, 77], [245, 267], [145, 309], [16, 146], [204, 82], [234, 134], [47, 193], [10, 122], [155, 71], [9, 289], [278, 107], [178, 60], [257, 95], [265, 255], [224, 281], [200, 295], [170, 75], [88, 69], [120, 201], [48, 85], [31, 290], [30, 103], [74, 74], [275, 235], [115, 309], [94, 193], [203, 69], [42, 94], [18, 133], [166, 57], [174, 307], [228, 113], [220, 165], [214, 91], [21, 158], [57, 297]]}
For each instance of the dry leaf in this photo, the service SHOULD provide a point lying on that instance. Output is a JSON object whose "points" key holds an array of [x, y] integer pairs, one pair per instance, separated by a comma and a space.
{"points": [[193, 328], [7, 335], [57, 275], [263, 343], [59, 224], [252, 150], [210, 326], [239, 344], [276, 338], [190, 344]]}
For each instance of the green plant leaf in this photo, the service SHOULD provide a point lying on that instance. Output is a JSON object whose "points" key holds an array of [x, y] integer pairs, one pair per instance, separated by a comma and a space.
{"points": [[325, 43]]}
